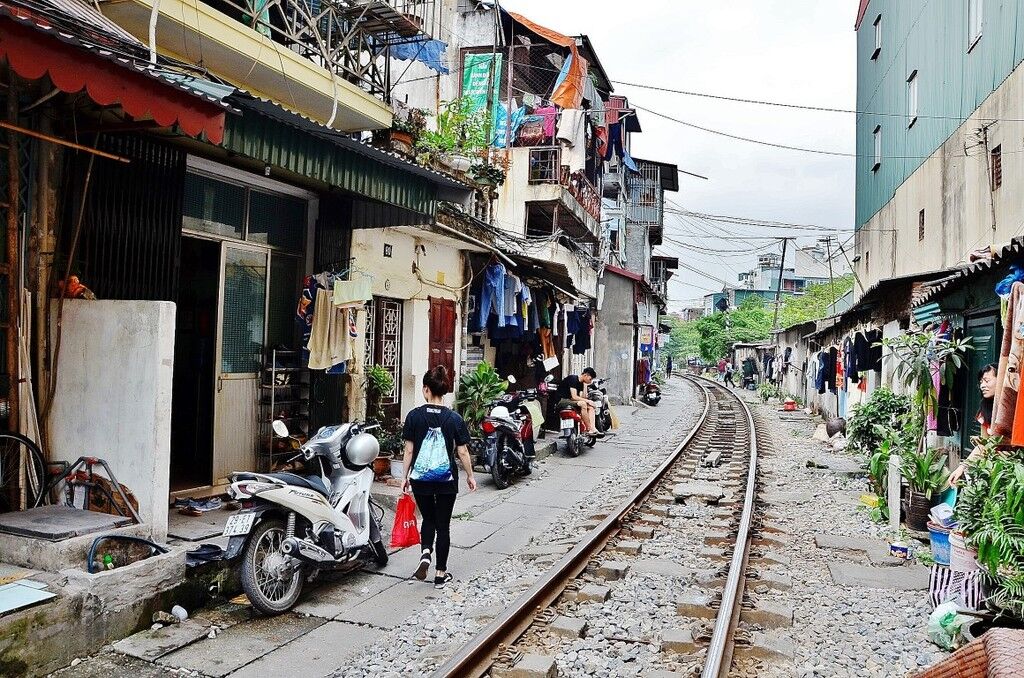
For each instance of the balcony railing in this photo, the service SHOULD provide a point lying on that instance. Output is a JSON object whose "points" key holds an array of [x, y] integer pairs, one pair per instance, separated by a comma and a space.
{"points": [[585, 193], [349, 38]]}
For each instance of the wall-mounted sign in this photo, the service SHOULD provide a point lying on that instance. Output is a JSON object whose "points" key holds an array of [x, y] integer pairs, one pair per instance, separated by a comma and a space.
{"points": [[388, 249]]}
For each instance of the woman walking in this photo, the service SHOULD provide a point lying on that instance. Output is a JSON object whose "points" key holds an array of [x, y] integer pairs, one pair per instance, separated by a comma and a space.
{"points": [[434, 435]]}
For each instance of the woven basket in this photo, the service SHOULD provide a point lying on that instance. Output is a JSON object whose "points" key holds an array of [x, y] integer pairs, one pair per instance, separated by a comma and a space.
{"points": [[997, 654]]}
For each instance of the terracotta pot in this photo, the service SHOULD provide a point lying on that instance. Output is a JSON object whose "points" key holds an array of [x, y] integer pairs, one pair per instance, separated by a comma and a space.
{"points": [[917, 507]]}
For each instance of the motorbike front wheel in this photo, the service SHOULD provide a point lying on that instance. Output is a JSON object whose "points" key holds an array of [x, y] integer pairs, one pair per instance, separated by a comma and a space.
{"points": [[499, 470], [271, 587]]}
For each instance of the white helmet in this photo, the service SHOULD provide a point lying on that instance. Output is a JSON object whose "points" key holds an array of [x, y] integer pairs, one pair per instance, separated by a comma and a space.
{"points": [[362, 450], [500, 412]]}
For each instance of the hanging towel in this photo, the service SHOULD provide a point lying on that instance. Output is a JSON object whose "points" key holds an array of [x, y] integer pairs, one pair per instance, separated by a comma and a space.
{"points": [[352, 293], [549, 114], [1008, 376], [328, 342]]}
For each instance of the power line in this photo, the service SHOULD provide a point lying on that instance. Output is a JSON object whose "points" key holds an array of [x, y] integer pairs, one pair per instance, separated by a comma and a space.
{"points": [[804, 107]]}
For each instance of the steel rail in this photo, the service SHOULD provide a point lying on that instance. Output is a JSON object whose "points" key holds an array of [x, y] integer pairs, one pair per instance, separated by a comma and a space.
{"points": [[719, 656], [477, 656]]}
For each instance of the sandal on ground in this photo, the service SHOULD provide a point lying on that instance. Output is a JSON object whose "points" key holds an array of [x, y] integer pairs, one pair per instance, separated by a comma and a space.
{"points": [[421, 571], [439, 582]]}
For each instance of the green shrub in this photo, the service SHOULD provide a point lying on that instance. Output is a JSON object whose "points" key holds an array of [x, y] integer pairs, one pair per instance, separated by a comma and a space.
{"points": [[868, 425]]}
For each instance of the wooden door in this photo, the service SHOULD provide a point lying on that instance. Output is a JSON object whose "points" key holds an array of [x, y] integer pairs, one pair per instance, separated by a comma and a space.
{"points": [[442, 334]]}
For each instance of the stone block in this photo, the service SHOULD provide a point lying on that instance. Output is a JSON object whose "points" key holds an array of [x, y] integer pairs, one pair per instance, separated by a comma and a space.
{"points": [[659, 510], [906, 578], [698, 489], [612, 570], [150, 645], [773, 541], [713, 553], [628, 547], [770, 558], [678, 640], [641, 532], [529, 666], [695, 603], [773, 579], [768, 613], [665, 568], [568, 627], [719, 538], [651, 519], [768, 647], [593, 593]]}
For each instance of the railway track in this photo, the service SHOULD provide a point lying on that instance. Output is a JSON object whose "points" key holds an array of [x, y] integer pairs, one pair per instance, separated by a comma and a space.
{"points": [[717, 456]]}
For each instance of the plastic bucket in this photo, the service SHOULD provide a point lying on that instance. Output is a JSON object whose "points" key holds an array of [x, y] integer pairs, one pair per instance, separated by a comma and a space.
{"points": [[961, 557], [940, 542]]}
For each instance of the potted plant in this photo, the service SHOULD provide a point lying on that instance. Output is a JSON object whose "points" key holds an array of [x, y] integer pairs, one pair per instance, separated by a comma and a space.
{"points": [[926, 475], [462, 132], [477, 389], [407, 126], [486, 174]]}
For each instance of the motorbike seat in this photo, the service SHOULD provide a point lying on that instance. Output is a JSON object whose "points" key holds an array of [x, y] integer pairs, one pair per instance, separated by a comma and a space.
{"points": [[309, 482]]}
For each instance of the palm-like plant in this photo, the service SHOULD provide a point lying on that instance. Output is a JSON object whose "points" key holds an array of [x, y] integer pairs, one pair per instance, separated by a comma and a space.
{"points": [[476, 390]]}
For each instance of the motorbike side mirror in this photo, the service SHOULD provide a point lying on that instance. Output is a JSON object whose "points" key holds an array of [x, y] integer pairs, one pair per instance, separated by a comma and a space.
{"points": [[548, 379], [510, 379], [280, 429]]}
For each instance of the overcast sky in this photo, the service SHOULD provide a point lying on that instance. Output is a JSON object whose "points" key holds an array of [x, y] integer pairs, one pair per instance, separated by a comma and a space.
{"points": [[798, 51]]}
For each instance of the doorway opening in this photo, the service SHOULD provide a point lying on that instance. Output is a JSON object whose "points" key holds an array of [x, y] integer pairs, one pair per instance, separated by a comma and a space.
{"points": [[195, 354]]}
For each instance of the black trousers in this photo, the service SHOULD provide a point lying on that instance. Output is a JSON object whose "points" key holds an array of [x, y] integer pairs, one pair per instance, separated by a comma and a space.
{"points": [[436, 510]]}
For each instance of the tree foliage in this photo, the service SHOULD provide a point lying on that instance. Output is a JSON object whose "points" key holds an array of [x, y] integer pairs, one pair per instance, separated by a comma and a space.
{"points": [[709, 337]]}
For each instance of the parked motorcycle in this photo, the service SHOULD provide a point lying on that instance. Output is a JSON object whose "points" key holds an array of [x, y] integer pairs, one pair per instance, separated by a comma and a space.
{"points": [[651, 393], [575, 431], [295, 525], [597, 392], [508, 448]]}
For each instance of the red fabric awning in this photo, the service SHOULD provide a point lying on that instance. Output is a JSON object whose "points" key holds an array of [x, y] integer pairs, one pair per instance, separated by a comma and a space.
{"points": [[33, 54]]}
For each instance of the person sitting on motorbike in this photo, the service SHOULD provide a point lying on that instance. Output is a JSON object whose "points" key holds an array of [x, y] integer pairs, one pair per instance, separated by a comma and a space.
{"points": [[573, 392]]}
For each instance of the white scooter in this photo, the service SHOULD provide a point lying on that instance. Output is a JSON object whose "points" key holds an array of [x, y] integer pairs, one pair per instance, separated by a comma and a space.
{"points": [[297, 524]]}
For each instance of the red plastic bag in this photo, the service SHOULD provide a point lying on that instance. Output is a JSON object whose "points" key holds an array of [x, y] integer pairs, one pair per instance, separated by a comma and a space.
{"points": [[404, 532]]}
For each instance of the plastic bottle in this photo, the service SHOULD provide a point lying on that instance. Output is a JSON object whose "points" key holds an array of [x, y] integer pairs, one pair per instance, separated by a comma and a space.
{"points": [[108, 561]]}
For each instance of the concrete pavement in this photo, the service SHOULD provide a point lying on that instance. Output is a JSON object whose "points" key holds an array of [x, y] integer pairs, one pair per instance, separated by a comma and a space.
{"points": [[346, 613]]}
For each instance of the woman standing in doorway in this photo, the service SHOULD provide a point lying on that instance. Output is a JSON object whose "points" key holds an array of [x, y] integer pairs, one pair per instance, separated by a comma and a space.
{"points": [[434, 435]]}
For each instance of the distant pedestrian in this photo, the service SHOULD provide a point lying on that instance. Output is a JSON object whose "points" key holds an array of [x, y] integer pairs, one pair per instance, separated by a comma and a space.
{"points": [[721, 368], [434, 435], [727, 378], [668, 367]]}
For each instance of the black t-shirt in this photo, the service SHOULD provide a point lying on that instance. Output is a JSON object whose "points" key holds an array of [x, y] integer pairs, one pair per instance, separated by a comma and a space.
{"points": [[570, 382], [421, 420]]}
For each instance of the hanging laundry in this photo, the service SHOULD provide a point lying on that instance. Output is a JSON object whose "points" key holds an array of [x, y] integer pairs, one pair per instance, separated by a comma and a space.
{"points": [[329, 341], [548, 116], [850, 360], [492, 294], [601, 141], [612, 108], [581, 337], [614, 141], [352, 293], [512, 288], [572, 136], [428, 52], [502, 136]]}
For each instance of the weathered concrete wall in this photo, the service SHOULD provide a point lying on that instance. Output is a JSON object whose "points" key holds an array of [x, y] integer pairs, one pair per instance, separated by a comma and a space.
{"points": [[113, 397], [638, 249], [952, 187], [439, 263], [613, 340]]}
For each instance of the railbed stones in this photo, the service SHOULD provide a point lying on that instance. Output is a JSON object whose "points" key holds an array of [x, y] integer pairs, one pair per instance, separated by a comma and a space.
{"points": [[698, 490]]}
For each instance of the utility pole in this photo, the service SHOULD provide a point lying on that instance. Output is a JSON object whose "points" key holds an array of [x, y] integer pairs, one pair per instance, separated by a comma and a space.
{"points": [[831, 278], [778, 291]]}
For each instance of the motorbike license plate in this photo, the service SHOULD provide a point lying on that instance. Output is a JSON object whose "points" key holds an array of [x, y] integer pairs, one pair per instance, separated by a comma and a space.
{"points": [[239, 524], [568, 423]]}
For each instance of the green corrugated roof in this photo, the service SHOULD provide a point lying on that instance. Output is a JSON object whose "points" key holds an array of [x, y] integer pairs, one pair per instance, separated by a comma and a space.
{"points": [[276, 143]]}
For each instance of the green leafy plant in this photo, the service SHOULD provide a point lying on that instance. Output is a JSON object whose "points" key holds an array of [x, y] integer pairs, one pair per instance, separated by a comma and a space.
{"points": [[872, 420], [461, 129], [476, 390], [412, 121], [917, 355], [925, 472], [379, 382], [767, 390], [486, 174], [990, 512]]}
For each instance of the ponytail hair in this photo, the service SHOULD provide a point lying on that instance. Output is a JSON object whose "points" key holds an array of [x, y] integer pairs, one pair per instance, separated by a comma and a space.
{"points": [[438, 380]]}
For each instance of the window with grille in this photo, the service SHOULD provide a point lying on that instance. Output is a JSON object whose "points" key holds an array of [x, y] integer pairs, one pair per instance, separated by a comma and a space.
{"points": [[245, 295], [214, 206], [878, 37], [997, 167], [920, 226], [544, 164]]}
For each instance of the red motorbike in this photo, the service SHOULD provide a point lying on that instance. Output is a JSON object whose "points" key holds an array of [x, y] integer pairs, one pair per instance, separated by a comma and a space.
{"points": [[575, 430], [508, 448]]}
